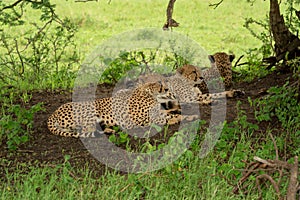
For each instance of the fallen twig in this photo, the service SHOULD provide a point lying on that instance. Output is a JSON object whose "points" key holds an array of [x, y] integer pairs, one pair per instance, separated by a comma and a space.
{"points": [[270, 167], [268, 177]]}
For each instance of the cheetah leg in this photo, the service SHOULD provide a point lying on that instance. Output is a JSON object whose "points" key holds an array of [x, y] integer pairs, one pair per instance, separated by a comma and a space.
{"points": [[190, 117], [177, 118], [109, 131], [209, 98], [228, 94], [174, 119], [234, 93]]}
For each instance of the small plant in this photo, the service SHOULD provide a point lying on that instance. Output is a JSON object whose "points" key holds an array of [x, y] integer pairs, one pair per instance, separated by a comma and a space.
{"points": [[281, 103], [119, 138], [264, 35], [232, 131], [16, 123], [118, 67], [134, 63], [253, 68]]}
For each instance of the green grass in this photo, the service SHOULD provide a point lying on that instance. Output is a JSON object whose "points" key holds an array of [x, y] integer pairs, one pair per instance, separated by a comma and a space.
{"points": [[199, 180], [216, 30], [187, 178]]}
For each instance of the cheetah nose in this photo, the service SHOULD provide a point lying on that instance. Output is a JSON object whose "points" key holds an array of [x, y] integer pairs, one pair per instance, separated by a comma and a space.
{"points": [[200, 81]]}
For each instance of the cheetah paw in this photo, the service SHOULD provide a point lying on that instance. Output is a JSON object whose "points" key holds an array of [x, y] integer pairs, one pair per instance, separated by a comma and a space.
{"points": [[238, 93]]}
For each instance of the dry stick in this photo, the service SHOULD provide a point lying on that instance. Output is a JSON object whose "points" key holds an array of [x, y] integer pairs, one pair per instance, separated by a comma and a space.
{"points": [[20, 57], [265, 176], [244, 63], [238, 60], [246, 175], [11, 6], [215, 5], [264, 161], [275, 146], [277, 157], [273, 163], [293, 185]]}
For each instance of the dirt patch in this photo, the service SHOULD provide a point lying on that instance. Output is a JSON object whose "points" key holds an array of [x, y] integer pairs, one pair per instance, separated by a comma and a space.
{"points": [[45, 148]]}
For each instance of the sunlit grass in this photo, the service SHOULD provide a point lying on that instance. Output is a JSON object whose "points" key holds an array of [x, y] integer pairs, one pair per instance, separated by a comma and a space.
{"points": [[197, 181], [218, 29]]}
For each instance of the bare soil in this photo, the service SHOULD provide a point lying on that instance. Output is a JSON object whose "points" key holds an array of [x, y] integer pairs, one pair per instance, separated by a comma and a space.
{"points": [[44, 148]]}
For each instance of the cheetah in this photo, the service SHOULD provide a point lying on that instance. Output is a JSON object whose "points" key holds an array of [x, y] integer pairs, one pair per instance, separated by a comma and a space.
{"points": [[184, 86], [221, 65], [128, 109], [188, 88]]}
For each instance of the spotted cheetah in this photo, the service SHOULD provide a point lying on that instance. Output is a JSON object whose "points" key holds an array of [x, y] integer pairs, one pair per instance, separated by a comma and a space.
{"points": [[128, 109], [223, 63], [189, 88], [221, 66]]}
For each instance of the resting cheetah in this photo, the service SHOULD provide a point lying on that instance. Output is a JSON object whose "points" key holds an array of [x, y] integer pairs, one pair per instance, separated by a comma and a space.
{"points": [[221, 66], [192, 79], [128, 109]]}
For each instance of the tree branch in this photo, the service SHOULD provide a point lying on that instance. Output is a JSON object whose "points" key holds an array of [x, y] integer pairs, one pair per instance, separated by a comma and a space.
{"points": [[297, 14], [275, 185], [170, 21], [11, 6], [215, 5], [84, 1]]}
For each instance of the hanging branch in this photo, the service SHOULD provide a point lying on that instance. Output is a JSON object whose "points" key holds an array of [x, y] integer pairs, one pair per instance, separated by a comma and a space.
{"points": [[215, 5], [297, 14], [12, 5], [84, 1], [170, 21]]}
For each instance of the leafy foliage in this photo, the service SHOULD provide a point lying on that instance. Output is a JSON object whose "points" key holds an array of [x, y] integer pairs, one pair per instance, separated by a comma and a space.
{"points": [[35, 50], [264, 35], [134, 63], [282, 104], [16, 123], [291, 19]]}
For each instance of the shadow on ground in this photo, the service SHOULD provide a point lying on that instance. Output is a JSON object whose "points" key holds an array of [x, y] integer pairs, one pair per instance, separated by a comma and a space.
{"points": [[47, 149]]}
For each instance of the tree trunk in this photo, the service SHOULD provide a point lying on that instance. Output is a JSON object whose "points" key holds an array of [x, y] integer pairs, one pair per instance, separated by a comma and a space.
{"points": [[285, 41]]}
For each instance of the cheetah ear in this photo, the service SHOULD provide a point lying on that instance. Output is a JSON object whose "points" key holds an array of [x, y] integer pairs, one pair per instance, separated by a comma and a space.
{"points": [[161, 85], [211, 58], [231, 57], [180, 70]]}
